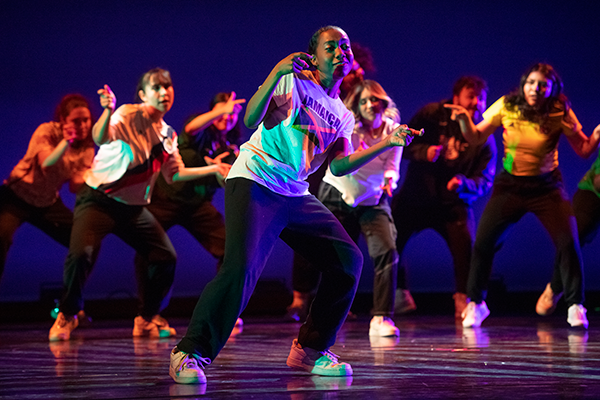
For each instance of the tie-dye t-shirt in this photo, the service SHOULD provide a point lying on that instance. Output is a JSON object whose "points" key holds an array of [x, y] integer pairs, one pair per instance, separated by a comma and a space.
{"points": [[294, 138]]}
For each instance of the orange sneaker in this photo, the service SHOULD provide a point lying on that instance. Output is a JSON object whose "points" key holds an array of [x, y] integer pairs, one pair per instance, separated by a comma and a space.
{"points": [[62, 328], [157, 327]]}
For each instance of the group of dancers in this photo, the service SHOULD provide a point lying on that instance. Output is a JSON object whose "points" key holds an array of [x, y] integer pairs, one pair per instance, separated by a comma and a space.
{"points": [[145, 178]]}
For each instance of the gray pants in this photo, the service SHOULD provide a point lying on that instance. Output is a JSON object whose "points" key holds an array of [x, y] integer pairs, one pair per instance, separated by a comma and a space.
{"points": [[377, 225]]}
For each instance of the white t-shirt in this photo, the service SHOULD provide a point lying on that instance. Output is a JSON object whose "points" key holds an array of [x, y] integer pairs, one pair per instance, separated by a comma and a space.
{"points": [[363, 186], [293, 139], [127, 166]]}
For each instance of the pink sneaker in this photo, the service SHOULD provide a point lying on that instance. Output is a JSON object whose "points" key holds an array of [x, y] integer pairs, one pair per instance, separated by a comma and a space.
{"points": [[474, 314], [576, 316], [383, 326]]}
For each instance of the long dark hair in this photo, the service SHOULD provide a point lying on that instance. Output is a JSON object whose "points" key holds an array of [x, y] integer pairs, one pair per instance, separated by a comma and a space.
{"points": [[557, 101]]}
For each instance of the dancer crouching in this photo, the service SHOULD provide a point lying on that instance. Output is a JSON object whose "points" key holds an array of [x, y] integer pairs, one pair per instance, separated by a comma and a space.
{"points": [[301, 124]]}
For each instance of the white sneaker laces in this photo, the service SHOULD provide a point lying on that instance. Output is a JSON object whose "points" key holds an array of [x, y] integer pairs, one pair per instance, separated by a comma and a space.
{"points": [[191, 361]]}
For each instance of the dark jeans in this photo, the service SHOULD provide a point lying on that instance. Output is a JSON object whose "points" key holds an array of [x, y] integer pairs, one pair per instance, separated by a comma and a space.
{"points": [[95, 216], [377, 226], [512, 197], [586, 206], [454, 223], [203, 221], [55, 221], [255, 217]]}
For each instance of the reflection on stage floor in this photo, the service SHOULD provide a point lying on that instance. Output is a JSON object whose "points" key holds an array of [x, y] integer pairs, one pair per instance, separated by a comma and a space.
{"points": [[434, 357]]}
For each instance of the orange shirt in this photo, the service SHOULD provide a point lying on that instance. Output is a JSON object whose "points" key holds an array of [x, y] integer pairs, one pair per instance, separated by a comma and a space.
{"points": [[40, 188]]}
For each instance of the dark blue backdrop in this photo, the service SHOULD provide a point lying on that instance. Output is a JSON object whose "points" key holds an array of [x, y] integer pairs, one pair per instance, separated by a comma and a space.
{"points": [[420, 48]]}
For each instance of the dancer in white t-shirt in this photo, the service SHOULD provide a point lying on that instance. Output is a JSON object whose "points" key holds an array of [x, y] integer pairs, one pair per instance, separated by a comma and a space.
{"points": [[301, 124]]}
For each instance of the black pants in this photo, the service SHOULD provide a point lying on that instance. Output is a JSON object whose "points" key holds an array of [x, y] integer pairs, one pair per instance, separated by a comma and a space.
{"points": [[512, 197], [377, 226], [586, 206], [255, 217], [55, 221], [454, 223], [203, 221], [95, 216]]}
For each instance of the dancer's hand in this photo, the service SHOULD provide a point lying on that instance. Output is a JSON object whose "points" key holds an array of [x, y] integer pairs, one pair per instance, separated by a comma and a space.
{"points": [[231, 106], [387, 186], [433, 153], [403, 135], [458, 112], [295, 62], [454, 184], [108, 99], [69, 133], [222, 167]]}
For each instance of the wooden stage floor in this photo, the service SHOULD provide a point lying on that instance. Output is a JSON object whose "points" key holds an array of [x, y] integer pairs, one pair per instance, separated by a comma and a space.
{"points": [[518, 357]]}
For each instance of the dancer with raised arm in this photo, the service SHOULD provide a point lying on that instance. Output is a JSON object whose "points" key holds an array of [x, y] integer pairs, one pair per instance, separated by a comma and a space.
{"points": [[301, 124], [136, 145], [534, 117], [360, 200], [213, 135], [59, 152], [445, 176]]}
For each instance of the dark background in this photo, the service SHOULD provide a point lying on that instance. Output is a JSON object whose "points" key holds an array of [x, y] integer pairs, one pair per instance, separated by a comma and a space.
{"points": [[420, 49]]}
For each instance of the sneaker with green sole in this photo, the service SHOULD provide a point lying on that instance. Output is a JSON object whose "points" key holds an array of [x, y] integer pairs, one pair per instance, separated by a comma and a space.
{"points": [[323, 363]]}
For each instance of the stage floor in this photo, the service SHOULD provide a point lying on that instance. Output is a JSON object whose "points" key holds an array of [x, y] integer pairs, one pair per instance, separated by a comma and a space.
{"points": [[519, 357]]}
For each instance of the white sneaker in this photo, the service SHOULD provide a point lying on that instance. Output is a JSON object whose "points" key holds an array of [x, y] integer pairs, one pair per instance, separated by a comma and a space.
{"points": [[474, 314], [403, 302], [187, 368], [576, 316], [383, 326]]}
